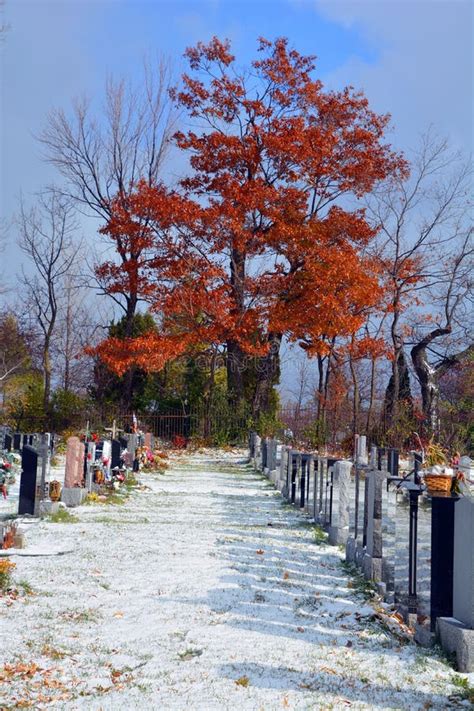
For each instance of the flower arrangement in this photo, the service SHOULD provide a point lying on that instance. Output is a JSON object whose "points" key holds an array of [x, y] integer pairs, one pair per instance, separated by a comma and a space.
{"points": [[6, 569], [179, 442]]}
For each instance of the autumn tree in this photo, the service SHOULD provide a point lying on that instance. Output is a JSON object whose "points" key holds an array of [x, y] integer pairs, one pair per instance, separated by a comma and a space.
{"points": [[103, 154], [256, 243]]}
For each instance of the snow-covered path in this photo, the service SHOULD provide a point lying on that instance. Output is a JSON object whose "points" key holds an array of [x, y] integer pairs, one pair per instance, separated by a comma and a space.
{"points": [[203, 592]]}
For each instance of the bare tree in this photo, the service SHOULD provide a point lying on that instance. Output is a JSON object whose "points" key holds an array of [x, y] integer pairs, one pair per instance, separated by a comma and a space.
{"points": [[47, 234], [451, 295], [103, 157], [421, 220], [79, 323]]}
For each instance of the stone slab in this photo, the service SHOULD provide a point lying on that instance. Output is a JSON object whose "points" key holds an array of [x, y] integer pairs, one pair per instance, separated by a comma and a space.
{"points": [[48, 507], [458, 639], [463, 564], [338, 535], [73, 496], [372, 568], [351, 550]]}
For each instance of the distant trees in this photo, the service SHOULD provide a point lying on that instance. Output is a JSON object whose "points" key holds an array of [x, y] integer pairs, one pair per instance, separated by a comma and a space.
{"points": [[47, 236]]}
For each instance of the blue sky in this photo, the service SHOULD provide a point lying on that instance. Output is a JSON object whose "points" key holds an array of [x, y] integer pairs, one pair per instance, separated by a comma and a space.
{"points": [[413, 58]]}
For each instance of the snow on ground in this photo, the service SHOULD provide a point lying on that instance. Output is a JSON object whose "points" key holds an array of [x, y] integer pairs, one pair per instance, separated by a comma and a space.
{"points": [[204, 591]]}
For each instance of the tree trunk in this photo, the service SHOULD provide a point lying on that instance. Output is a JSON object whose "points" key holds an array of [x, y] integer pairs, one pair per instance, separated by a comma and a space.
{"points": [[356, 399], [428, 378], [268, 371], [235, 355], [398, 390], [127, 392], [46, 378], [373, 370]]}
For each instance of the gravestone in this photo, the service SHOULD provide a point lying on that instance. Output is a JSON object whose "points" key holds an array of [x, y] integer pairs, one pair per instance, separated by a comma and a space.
{"points": [[149, 440], [8, 442], [17, 441], [282, 471], [28, 481], [89, 459], [372, 562], [73, 494], [442, 556], [382, 459], [373, 457], [322, 473], [116, 451], [264, 453], [392, 462], [74, 463], [339, 528], [107, 456], [457, 632], [361, 451], [258, 452], [463, 588]]}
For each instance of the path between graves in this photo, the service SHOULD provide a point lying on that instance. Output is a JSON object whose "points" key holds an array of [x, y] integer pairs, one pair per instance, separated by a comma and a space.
{"points": [[204, 592]]}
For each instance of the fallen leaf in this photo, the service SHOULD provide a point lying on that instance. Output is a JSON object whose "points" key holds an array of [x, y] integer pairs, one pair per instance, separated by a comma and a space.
{"points": [[242, 681], [260, 551], [118, 614]]}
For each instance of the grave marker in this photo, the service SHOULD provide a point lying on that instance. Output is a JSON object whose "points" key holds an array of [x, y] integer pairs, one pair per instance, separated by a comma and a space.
{"points": [[28, 481]]}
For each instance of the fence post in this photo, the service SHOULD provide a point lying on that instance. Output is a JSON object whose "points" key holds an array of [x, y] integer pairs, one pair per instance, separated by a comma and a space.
{"points": [[414, 494]]}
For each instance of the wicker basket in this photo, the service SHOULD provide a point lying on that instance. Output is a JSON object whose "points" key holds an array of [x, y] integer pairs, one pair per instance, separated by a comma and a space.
{"points": [[438, 483]]}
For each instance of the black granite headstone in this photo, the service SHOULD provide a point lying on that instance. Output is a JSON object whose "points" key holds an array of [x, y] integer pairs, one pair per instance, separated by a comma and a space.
{"points": [[8, 442], [17, 441], [442, 556], [29, 468], [392, 462], [116, 449]]}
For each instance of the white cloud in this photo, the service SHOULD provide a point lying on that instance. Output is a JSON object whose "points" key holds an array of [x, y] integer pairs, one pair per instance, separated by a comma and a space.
{"points": [[423, 74]]}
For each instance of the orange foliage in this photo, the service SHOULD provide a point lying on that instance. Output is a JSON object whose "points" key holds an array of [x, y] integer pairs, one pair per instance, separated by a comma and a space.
{"points": [[253, 241]]}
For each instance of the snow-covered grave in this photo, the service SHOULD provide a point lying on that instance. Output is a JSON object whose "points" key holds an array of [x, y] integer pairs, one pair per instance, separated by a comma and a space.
{"points": [[205, 590]]}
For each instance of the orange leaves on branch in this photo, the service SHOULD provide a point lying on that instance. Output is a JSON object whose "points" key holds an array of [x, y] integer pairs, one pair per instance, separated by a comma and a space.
{"points": [[254, 240]]}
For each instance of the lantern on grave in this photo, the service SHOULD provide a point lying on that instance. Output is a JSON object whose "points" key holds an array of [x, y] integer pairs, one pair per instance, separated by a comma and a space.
{"points": [[54, 490]]}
